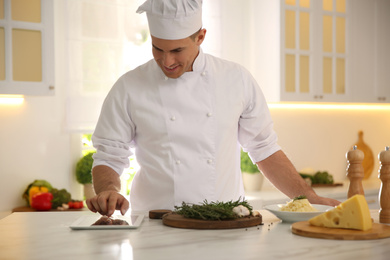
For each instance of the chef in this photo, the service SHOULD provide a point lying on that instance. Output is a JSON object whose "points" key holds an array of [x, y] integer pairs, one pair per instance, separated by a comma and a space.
{"points": [[187, 114]]}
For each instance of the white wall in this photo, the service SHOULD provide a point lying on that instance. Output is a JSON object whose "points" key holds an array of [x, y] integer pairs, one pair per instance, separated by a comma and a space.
{"points": [[33, 142], [319, 138]]}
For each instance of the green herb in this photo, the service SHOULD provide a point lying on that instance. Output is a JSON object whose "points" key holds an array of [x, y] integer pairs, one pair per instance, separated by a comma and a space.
{"points": [[322, 178], [319, 177], [300, 197], [211, 211]]}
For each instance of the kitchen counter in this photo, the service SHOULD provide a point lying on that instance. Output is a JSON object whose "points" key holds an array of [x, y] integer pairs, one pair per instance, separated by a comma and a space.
{"points": [[270, 195], [46, 235]]}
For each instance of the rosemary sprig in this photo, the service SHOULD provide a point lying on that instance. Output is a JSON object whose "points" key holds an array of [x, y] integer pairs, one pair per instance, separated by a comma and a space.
{"points": [[211, 211]]}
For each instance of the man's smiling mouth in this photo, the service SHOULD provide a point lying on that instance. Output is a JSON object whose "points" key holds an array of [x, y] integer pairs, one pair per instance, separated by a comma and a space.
{"points": [[171, 69]]}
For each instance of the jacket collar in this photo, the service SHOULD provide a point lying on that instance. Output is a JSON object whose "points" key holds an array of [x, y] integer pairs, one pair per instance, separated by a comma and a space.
{"points": [[199, 62]]}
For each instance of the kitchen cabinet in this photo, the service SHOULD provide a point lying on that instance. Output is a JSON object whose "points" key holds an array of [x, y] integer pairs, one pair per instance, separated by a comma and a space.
{"points": [[27, 47], [370, 55], [292, 71], [313, 50], [382, 53]]}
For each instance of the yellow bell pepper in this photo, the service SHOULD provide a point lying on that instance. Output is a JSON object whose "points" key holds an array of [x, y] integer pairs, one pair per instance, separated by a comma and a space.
{"points": [[36, 189]]}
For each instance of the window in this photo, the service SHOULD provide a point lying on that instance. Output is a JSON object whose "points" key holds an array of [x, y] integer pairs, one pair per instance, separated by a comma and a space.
{"points": [[314, 47], [127, 175], [104, 39], [26, 47]]}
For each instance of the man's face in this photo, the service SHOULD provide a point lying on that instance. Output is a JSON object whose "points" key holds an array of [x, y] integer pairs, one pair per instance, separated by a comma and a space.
{"points": [[175, 57]]}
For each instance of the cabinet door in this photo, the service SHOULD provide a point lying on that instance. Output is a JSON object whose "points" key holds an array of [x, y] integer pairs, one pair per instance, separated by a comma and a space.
{"points": [[26, 47], [313, 51], [382, 54]]}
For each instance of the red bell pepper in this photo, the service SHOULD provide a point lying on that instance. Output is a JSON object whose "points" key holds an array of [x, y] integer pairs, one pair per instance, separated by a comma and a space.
{"points": [[42, 201]]}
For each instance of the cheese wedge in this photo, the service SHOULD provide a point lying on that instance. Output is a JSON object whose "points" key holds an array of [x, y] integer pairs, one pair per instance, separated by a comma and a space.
{"points": [[351, 214]]}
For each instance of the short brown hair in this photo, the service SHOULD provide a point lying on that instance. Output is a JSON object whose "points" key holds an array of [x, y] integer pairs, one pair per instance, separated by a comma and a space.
{"points": [[193, 36]]}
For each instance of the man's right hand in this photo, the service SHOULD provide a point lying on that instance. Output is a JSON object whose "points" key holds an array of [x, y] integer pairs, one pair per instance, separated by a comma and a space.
{"points": [[107, 184], [106, 202]]}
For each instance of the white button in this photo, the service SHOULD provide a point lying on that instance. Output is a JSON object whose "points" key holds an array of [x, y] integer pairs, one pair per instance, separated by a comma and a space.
{"points": [[203, 73], [209, 161], [178, 162], [173, 118], [166, 78], [209, 114]]}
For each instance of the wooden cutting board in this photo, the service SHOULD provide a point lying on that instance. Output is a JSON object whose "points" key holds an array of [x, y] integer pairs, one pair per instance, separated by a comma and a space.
{"points": [[303, 228], [178, 221]]}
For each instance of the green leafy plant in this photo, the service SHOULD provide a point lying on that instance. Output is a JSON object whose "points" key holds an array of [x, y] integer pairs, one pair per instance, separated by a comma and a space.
{"points": [[247, 164], [84, 169], [60, 197]]}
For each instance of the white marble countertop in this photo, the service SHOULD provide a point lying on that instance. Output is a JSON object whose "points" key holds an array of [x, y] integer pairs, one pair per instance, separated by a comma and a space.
{"points": [[46, 235], [270, 195]]}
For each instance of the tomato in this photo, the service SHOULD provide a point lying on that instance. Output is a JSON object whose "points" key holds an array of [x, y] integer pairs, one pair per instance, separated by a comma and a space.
{"points": [[76, 204]]}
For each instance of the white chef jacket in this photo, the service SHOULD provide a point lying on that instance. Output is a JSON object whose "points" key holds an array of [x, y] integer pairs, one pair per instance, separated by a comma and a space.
{"points": [[186, 132]]}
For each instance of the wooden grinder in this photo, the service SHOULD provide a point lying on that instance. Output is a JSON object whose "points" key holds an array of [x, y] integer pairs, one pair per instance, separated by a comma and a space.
{"points": [[384, 192], [355, 171]]}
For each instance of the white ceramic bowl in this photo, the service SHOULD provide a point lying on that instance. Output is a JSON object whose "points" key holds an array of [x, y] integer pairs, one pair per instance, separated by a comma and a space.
{"points": [[288, 216]]}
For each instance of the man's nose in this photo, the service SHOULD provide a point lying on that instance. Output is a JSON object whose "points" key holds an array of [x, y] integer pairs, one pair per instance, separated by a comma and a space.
{"points": [[168, 59]]}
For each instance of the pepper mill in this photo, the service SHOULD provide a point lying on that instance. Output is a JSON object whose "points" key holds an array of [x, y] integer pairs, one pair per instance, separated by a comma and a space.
{"points": [[384, 192], [355, 171]]}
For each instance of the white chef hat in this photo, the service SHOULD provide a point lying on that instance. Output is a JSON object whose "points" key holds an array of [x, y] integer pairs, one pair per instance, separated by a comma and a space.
{"points": [[173, 19]]}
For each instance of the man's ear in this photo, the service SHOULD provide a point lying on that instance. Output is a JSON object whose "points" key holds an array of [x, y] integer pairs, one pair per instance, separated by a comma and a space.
{"points": [[200, 37]]}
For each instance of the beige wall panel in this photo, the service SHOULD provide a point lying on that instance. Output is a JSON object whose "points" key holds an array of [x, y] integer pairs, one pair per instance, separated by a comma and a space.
{"points": [[340, 76], [1, 9], [26, 10], [327, 5], [304, 3], [327, 75], [304, 31], [327, 35], [26, 55], [290, 29], [290, 2], [304, 74], [340, 6], [340, 35], [290, 73]]}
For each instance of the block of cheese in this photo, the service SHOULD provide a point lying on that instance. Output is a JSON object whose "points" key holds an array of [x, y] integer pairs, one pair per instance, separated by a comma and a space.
{"points": [[351, 214]]}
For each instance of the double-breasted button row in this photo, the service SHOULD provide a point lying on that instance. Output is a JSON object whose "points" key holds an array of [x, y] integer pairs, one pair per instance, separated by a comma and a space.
{"points": [[173, 118], [178, 162]]}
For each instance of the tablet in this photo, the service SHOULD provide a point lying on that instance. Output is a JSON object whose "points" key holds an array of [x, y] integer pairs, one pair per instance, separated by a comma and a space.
{"points": [[87, 222]]}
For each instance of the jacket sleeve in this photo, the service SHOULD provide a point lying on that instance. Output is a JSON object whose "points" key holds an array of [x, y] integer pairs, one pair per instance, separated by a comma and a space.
{"points": [[256, 134], [114, 131]]}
